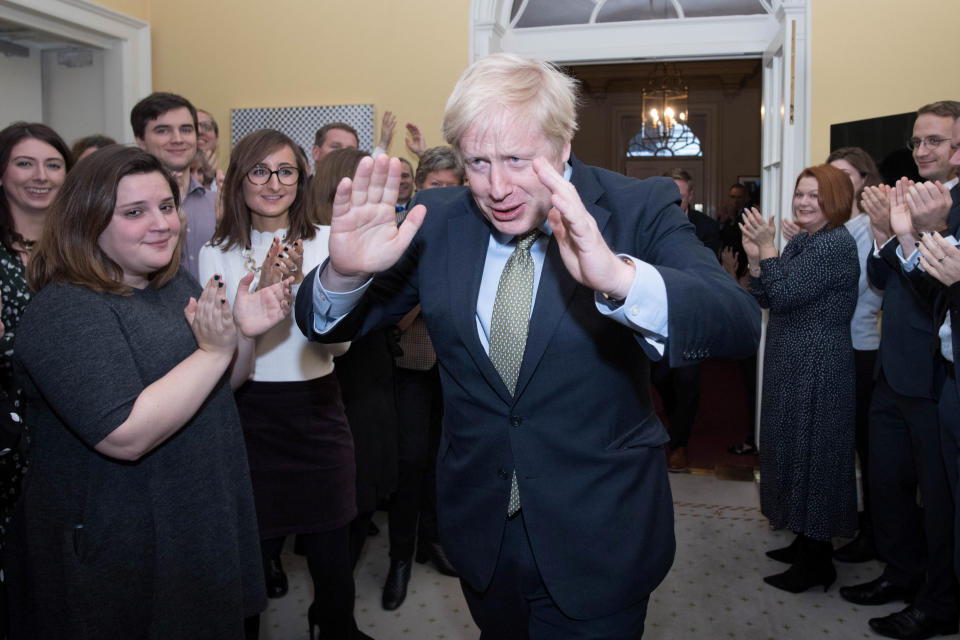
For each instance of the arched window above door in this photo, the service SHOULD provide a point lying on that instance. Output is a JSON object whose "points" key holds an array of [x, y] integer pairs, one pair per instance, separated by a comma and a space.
{"points": [[549, 13], [682, 142]]}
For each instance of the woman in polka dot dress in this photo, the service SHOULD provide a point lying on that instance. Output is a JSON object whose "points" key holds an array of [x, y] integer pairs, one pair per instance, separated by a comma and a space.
{"points": [[807, 413]]}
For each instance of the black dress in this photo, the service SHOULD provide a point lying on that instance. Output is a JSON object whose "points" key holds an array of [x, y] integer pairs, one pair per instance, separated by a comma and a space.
{"points": [[807, 477], [165, 547]]}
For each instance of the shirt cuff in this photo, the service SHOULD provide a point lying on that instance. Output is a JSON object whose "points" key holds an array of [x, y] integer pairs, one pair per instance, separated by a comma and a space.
{"points": [[876, 248], [908, 264], [644, 310], [330, 307], [377, 151]]}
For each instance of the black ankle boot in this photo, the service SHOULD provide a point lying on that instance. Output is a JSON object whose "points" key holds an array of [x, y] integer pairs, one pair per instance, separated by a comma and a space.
{"points": [[434, 552], [395, 587], [787, 554], [812, 568]]}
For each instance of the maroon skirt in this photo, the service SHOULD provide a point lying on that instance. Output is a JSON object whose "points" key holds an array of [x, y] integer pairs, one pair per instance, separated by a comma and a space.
{"points": [[301, 455]]}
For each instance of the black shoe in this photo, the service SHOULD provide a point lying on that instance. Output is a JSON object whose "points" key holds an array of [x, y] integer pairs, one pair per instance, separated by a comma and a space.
{"points": [[313, 619], [912, 624], [798, 578], [395, 588], [860, 549], [434, 552], [787, 554], [373, 529], [276, 579], [877, 591]]}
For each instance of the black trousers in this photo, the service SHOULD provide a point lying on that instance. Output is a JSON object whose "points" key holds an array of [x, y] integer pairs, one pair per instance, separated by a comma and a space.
{"points": [[679, 388], [420, 409], [917, 543], [517, 606], [331, 570], [864, 367], [950, 433]]}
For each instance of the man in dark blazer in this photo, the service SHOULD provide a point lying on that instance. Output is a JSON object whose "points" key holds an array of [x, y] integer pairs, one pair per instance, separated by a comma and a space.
{"points": [[905, 444], [553, 501], [679, 387]]}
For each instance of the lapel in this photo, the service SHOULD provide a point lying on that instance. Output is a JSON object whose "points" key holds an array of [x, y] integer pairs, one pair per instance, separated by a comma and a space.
{"points": [[467, 238], [953, 218], [557, 286]]}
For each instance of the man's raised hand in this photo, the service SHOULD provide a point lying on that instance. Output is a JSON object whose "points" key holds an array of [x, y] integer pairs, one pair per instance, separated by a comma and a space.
{"points": [[364, 237], [584, 251]]}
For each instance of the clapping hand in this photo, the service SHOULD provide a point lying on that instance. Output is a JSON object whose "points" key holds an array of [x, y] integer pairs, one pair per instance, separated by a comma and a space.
{"points": [[210, 320], [757, 235], [364, 237], [730, 260], [901, 223], [788, 229], [257, 311], [929, 204], [282, 261], [940, 258], [876, 204]]}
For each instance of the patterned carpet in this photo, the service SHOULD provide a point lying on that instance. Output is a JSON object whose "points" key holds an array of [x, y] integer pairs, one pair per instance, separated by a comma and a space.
{"points": [[714, 590]]}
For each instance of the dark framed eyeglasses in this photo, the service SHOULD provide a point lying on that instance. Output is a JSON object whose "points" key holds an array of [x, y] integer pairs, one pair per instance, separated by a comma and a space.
{"points": [[930, 142], [261, 175]]}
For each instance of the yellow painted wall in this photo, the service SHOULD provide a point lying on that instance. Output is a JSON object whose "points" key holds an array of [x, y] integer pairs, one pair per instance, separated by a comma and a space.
{"points": [[407, 55], [223, 54], [879, 57], [139, 9]]}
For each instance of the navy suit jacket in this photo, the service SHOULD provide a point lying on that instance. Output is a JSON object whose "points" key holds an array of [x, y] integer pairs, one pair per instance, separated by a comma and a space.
{"points": [[706, 229], [580, 430], [908, 341]]}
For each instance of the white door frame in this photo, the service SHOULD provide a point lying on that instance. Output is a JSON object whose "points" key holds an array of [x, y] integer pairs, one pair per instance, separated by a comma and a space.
{"points": [[125, 42], [676, 39]]}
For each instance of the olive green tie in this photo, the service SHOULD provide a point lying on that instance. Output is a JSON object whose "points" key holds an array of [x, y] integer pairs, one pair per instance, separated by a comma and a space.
{"points": [[508, 326]]}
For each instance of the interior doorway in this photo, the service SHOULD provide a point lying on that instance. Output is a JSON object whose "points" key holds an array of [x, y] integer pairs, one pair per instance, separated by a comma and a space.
{"points": [[724, 98], [581, 32], [77, 66]]}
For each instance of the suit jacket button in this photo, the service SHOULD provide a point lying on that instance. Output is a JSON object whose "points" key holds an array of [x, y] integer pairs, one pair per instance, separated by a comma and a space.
{"points": [[516, 421], [502, 473]]}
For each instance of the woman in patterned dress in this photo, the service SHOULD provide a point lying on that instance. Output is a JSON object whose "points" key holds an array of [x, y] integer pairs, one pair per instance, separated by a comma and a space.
{"points": [[33, 164], [807, 412]]}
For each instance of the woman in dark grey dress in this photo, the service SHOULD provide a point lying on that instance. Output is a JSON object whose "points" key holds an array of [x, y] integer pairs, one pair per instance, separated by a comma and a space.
{"points": [[137, 518], [807, 412]]}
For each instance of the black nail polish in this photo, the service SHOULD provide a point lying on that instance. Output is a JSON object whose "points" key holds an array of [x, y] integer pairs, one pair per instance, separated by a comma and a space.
{"points": [[219, 285], [216, 277], [223, 301], [916, 244]]}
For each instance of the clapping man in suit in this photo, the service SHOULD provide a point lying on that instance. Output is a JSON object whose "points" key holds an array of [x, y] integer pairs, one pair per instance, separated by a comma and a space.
{"points": [[905, 441], [547, 287], [679, 387]]}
